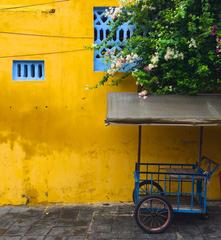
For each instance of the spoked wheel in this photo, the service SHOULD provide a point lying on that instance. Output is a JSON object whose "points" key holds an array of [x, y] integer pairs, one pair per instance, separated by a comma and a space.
{"points": [[154, 214], [146, 188]]}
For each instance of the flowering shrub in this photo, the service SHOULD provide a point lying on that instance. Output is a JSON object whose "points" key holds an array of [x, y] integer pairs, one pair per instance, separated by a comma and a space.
{"points": [[175, 48]]}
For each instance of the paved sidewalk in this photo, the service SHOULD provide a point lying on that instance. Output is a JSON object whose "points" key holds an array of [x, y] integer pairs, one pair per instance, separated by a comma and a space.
{"points": [[97, 223]]}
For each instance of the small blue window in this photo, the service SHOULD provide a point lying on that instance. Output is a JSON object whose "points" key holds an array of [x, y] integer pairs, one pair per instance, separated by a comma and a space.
{"points": [[101, 31], [28, 70]]}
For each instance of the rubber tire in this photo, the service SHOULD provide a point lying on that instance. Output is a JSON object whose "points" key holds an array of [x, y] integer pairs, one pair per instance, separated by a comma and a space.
{"points": [[169, 207], [157, 185]]}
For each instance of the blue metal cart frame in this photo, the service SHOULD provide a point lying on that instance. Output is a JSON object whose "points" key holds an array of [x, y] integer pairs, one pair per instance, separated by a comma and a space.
{"points": [[172, 179]]}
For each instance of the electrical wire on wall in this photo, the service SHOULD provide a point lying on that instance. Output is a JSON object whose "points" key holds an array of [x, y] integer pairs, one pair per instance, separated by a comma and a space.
{"points": [[44, 35], [32, 5], [45, 53]]}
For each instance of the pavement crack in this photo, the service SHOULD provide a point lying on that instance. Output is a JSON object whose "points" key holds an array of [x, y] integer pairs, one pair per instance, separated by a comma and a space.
{"points": [[89, 231]]}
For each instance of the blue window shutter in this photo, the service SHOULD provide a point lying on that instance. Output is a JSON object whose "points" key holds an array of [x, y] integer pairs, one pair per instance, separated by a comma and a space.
{"points": [[101, 30], [28, 70]]}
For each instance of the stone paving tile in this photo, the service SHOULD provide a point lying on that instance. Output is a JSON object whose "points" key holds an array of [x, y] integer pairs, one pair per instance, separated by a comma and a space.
{"points": [[109, 222], [3, 231], [35, 212], [106, 210], [103, 236], [10, 238], [24, 222], [85, 215], [69, 212], [66, 238], [38, 230], [62, 222], [103, 228], [20, 209], [16, 230], [183, 237], [4, 210], [125, 209], [51, 213], [68, 231], [33, 238]]}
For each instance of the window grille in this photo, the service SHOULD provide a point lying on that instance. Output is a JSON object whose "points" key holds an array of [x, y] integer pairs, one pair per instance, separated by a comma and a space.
{"points": [[101, 31], [28, 70]]}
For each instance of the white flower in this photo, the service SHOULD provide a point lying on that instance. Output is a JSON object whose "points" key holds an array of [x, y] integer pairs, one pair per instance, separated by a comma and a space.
{"points": [[143, 93], [135, 56], [113, 13], [181, 56], [110, 72], [155, 59], [173, 54], [112, 65], [128, 58], [152, 8], [192, 43], [151, 66], [146, 7], [169, 54], [127, 2], [119, 64]]}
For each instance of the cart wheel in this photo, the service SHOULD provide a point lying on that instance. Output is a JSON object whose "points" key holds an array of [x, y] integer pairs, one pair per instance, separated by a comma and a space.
{"points": [[154, 214], [145, 189]]}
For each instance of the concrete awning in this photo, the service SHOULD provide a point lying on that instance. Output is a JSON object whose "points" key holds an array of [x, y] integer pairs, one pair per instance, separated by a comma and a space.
{"points": [[128, 108]]}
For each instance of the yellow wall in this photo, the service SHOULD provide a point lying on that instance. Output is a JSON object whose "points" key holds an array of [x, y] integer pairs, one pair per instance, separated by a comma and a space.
{"points": [[54, 147]]}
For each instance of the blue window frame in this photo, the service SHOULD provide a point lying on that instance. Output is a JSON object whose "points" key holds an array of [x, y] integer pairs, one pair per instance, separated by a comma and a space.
{"points": [[101, 30], [28, 70]]}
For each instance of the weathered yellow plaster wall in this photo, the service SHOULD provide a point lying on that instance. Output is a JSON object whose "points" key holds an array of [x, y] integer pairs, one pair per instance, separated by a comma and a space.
{"points": [[54, 147]]}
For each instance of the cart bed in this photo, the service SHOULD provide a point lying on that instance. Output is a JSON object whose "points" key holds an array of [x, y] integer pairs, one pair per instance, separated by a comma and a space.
{"points": [[185, 203]]}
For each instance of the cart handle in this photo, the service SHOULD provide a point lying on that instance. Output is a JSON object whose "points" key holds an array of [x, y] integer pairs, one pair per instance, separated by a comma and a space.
{"points": [[211, 165]]}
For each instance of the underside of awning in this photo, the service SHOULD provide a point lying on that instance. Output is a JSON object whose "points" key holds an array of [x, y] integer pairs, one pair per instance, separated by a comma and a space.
{"points": [[128, 108]]}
